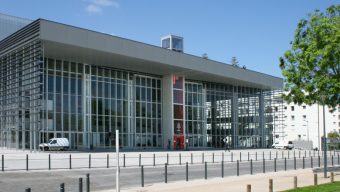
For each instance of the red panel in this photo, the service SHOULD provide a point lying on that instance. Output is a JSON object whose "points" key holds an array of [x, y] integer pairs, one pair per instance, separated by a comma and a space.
{"points": [[178, 142]]}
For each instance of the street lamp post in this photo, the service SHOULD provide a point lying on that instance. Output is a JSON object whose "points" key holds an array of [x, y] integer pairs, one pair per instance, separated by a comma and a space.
{"points": [[323, 98], [325, 143]]}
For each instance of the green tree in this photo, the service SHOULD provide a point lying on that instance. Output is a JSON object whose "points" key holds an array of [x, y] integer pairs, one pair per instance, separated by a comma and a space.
{"points": [[234, 62], [333, 135], [333, 140], [311, 67]]}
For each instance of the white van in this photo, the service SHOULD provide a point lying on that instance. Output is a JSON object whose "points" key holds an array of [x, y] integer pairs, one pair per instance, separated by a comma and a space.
{"points": [[283, 145], [55, 144]]}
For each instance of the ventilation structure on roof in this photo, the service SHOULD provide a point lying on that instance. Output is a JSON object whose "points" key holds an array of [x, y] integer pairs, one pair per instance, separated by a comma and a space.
{"points": [[172, 42]]}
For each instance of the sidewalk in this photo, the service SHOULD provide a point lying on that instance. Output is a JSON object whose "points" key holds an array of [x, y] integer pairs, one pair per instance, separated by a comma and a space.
{"points": [[259, 183]]}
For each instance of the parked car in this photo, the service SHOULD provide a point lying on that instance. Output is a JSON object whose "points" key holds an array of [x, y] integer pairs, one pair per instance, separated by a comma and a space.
{"points": [[283, 145], [55, 144]]}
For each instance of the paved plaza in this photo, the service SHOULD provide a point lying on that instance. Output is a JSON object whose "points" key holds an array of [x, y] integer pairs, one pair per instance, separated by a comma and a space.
{"points": [[40, 178]]}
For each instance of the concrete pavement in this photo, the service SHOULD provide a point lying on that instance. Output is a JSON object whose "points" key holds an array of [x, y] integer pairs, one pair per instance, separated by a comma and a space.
{"points": [[259, 183]]}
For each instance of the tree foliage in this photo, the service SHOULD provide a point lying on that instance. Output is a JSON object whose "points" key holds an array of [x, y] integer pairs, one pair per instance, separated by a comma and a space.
{"points": [[311, 68], [333, 135], [234, 62]]}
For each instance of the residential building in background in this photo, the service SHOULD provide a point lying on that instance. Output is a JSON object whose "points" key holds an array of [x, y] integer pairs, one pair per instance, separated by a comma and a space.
{"points": [[305, 123], [58, 80]]}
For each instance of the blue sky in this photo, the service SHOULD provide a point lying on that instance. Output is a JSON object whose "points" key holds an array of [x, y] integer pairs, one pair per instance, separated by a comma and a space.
{"points": [[257, 32]]}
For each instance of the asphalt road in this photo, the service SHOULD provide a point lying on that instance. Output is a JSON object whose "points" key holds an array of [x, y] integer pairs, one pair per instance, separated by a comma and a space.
{"points": [[104, 179]]}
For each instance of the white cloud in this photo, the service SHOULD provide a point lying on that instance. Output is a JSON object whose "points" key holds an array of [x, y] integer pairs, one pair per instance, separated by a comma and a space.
{"points": [[96, 6], [106, 3], [91, 8]]}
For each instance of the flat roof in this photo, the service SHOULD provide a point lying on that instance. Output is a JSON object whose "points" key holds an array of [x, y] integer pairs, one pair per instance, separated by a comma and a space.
{"points": [[73, 43]]}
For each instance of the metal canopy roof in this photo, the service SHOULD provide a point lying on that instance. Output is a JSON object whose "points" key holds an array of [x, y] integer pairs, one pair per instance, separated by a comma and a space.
{"points": [[82, 45]]}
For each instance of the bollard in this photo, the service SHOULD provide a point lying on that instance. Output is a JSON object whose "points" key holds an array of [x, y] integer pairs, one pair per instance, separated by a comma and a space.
{"points": [[62, 187], [294, 163], [154, 159], [139, 160], [107, 161], [167, 158], [165, 173], [232, 157], [186, 171], [299, 154], [80, 185], [285, 164], [238, 168], [124, 160], [295, 182], [319, 161], [192, 158], [248, 188], [264, 166], [49, 161], [270, 185], [311, 162], [251, 166], [88, 182], [213, 157], [26, 162], [332, 177], [274, 164], [202, 158], [294, 153], [205, 171], [2, 163], [89, 161], [180, 158], [70, 161], [28, 190], [222, 169], [315, 179], [303, 162], [240, 157], [222, 156], [142, 175]]}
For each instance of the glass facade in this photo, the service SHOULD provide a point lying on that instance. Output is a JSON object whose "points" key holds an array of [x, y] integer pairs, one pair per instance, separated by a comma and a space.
{"points": [[148, 111], [221, 115], [88, 103], [195, 119], [20, 95]]}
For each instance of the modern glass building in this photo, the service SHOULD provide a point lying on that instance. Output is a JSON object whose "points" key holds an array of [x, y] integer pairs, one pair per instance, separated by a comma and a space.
{"points": [[58, 80]]}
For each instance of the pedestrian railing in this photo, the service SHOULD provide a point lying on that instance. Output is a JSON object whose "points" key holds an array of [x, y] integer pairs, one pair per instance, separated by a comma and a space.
{"points": [[54, 161]]}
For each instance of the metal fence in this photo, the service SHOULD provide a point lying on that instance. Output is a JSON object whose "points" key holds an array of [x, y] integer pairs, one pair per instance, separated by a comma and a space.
{"points": [[82, 161]]}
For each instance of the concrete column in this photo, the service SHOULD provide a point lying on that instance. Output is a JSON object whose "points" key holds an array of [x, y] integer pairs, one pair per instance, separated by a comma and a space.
{"points": [[167, 116]]}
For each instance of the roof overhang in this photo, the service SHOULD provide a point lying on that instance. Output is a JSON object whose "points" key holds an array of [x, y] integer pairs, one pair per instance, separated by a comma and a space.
{"points": [[72, 43]]}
